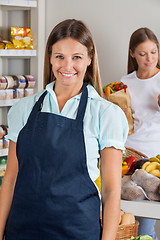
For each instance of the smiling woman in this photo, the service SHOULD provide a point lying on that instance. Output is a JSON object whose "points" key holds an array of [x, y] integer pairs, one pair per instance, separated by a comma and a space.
{"points": [[69, 61], [56, 139]]}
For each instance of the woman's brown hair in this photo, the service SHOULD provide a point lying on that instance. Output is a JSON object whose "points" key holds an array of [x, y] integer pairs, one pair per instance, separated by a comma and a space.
{"points": [[77, 30], [138, 37]]}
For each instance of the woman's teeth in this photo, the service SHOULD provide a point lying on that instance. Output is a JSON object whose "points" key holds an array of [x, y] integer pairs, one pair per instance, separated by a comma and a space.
{"points": [[68, 74]]}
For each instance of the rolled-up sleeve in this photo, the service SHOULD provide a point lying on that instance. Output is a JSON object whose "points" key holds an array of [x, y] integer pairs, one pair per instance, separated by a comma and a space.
{"points": [[113, 128]]}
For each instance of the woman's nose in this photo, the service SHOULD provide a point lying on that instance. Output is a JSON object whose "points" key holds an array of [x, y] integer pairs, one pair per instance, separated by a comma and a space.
{"points": [[149, 57], [68, 64]]}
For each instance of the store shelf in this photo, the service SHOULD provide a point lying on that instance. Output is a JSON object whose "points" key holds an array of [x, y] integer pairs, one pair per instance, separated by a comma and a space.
{"points": [[8, 102], [3, 152], [17, 53], [145, 208], [19, 3]]}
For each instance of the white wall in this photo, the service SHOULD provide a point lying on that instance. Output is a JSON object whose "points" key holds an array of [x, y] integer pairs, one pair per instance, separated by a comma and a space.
{"points": [[111, 23]]}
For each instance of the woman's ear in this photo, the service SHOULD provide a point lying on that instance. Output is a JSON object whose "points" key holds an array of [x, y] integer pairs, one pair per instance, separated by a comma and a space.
{"points": [[89, 61], [131, 53]]}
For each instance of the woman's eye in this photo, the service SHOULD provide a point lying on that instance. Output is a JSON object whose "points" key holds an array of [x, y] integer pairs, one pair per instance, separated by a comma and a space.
{"points": [[142, 54], [77, 57], [153, 52], [59, 57]]}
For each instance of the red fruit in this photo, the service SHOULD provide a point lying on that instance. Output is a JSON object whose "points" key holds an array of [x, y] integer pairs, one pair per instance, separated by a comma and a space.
{"points": [[131, 162]]}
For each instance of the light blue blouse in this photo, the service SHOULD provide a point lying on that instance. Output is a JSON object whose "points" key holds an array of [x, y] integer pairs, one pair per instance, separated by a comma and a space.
{"points": [[105, 124]]}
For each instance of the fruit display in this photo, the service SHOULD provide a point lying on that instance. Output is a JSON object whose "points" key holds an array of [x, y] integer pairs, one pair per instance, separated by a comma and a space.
{"points": [[124, 168], [140, 162], [140, 178], [152, 166], [131, 163]]}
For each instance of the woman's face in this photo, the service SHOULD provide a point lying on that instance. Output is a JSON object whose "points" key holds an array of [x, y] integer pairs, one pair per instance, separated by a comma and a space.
{"points": [[146, 55], [69, 61]]}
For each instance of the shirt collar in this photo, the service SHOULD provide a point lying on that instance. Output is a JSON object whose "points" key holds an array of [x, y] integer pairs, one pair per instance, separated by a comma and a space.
{"points": [[92, 93]]}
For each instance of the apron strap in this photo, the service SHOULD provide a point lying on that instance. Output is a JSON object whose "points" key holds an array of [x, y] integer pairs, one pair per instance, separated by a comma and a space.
{"points": [[37, 105], [82, 104]]}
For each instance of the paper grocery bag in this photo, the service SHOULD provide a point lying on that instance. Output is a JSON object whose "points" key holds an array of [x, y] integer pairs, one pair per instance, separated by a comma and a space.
{"points": [[122, 99]]}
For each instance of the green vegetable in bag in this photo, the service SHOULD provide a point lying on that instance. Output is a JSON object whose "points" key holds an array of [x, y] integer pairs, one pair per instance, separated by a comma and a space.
{"points": [[144, 237]]}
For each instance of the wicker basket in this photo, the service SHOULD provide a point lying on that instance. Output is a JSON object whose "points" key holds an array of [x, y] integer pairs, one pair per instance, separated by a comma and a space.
{"points": [[127, 231], [132, 152]]}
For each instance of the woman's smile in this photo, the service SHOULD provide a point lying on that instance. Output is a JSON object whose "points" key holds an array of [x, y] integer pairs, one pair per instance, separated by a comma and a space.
{"points": [[69, 61], [68, 75]]}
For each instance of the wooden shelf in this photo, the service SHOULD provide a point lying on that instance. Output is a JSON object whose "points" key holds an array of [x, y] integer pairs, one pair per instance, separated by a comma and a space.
{"points": [[144, 208], [4, 152], [19, 3], [17, 53]]}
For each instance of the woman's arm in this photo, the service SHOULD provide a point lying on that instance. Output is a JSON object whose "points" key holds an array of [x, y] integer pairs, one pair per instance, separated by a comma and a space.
{"points": [[7, 188], [111, 169]]}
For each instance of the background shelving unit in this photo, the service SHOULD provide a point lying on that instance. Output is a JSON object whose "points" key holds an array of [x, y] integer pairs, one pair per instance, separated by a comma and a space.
{"points": [[19, 3], [17, 53], [22, 13], [7, 102]]}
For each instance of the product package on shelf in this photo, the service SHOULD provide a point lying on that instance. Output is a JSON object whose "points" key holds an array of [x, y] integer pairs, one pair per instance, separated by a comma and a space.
{"points": [[5, 44], [21, 38], [16, 86], [3, 163], [3, 142]]}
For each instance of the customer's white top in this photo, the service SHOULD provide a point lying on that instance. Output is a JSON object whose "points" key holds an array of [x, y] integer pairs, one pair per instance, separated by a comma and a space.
{"points": [[146, 113], [105, 124]]}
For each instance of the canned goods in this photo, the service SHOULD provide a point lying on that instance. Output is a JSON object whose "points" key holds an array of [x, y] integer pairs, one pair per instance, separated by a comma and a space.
{"points": [[21, 81], [30, 81], [3, 82], [10, 81], [16, 82]]}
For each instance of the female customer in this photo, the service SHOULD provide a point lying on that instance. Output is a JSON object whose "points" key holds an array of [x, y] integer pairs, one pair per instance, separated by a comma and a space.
{"points": [[55, 139], [143, 81]]}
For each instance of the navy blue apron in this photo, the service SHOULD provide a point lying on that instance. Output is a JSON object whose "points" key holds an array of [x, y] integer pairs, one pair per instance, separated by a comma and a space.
{"points": [[54, 197]]}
